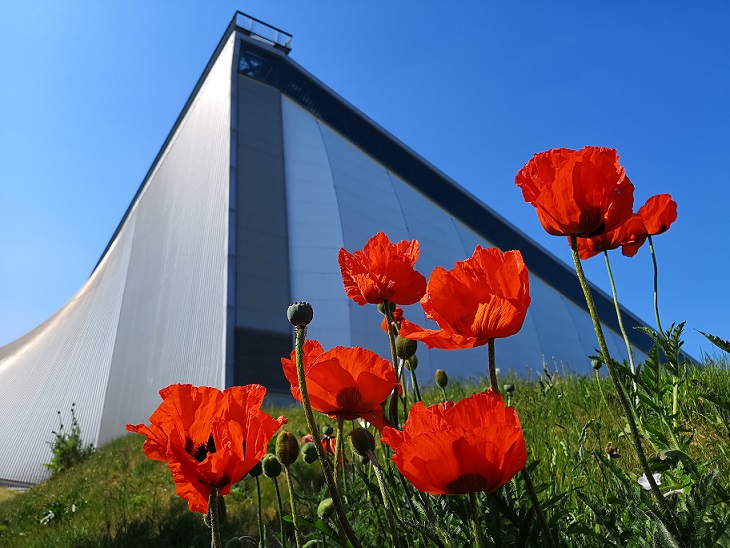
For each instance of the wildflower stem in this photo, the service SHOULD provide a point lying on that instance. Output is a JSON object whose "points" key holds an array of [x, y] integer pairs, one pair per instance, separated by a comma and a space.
{"points": [[290, 485], [215, 525], [628, 411], [389, 320], [339, 457], [414, 380], [620, 319], [326, 471], [492, 366], [656, 287], [474, 515], [262, 534], [538, 508], [386, 500], [281, 512]]}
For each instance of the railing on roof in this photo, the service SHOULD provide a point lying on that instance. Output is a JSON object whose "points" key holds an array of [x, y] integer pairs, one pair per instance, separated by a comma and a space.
{"points": [[268, 33]]}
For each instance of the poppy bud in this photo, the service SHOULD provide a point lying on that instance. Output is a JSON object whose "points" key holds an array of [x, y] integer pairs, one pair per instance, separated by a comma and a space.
{"points": [[271, 466], [235, 542], [309, 453], [441, 379], [327, 430], [256, 470], [405, 348], [509, 388], [412, 363], [287, 448], [326, 508], [362, 441], [390, 305], [300, 313], [596, 364]]}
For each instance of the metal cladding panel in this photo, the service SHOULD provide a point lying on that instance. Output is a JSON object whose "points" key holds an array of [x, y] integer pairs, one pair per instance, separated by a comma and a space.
{"points": [[172, 323], [315, 228], [65, 360]]}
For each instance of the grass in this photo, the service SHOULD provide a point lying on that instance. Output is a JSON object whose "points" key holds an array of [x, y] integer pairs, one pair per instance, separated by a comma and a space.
{"points": [[118, 497]]}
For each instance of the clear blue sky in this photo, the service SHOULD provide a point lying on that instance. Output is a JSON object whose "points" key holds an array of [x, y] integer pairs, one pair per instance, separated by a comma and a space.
{"points": [[90, 90]]}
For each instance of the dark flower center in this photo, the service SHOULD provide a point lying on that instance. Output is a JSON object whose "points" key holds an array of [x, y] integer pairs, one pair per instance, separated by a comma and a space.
{"points": [[467, 483], [348, 398], [200, 453]]}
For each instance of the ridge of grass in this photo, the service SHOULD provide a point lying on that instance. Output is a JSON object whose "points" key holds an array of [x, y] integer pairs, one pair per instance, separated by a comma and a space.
{"points": [[118, 497]]}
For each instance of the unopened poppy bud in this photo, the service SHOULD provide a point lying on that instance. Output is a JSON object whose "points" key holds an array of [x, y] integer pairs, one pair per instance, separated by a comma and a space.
{"points": [[441, 379], [300, 313], [509, 388], [405, 348], [309, 453], [326, 508], [362, 441], [271, 466], [390, 305], [412, 363], [327, 430], [596, 364], [256, 470], [235, 542], [287, 448]]}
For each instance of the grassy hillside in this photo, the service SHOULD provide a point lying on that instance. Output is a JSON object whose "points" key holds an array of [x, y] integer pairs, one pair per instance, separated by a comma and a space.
{"points": [[118, 497]]}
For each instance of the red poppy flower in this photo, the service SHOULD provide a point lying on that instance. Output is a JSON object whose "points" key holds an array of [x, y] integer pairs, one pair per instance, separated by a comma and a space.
{"points": [[382, 272], [457, 448], [209, 438], [484, 297], [635, 235], [654, 217], [583, 192], [589, 247], [352, 382]]}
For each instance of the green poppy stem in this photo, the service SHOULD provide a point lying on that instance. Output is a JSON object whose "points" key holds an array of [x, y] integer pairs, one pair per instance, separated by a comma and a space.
{"points": [[215, 525], [656, 287], [525, 474], [262, 533], [301, 333], [290, 485], [389, 320], [538, 508], [492, 366], [386, 500], [281, 512], [623, 399], [620, 319], [339, 453], [474, 518], [414, 380]]}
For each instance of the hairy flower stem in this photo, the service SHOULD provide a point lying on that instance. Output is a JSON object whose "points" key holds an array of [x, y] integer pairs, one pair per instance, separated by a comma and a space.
{"points": [[525, 474], [620, 319], [262, 533], [390, 321], [340, 454], [538, 508], [625, 403], [386, 500], [492, 366], [414, 380], [301, 334], [215, 526], [474, 518], [290, 485], [281, 512]]}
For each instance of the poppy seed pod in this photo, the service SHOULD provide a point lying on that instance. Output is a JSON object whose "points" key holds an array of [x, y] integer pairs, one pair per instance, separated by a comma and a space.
{"points": [[362, 441], [300, 313], [256, 470], [509, 388], [326, 508], [596, 364], [441, 379], [327, 430], [287, 448], [309, 453], [404, 347], [412, 363], [271, 466]]}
